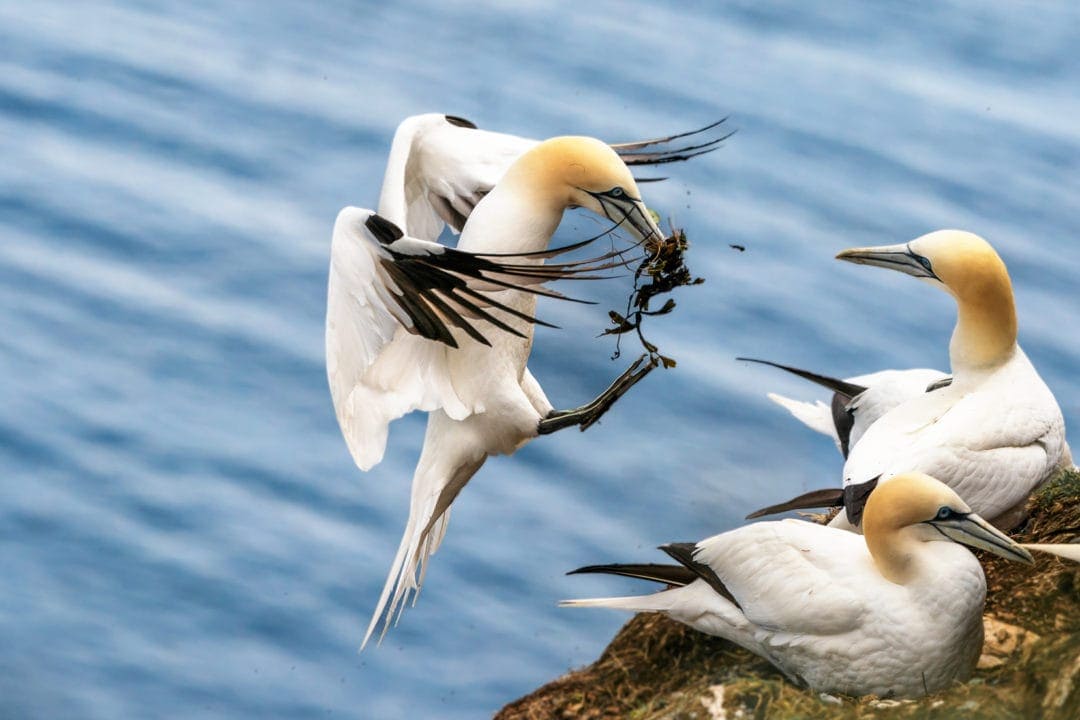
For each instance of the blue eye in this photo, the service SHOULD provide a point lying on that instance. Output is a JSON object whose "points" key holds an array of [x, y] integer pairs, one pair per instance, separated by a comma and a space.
{"points": [[925, 262], [616, 192], [944, 513]]}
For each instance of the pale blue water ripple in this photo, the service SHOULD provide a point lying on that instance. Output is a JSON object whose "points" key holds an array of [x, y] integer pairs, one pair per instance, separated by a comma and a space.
{"points": [[183, 533]]}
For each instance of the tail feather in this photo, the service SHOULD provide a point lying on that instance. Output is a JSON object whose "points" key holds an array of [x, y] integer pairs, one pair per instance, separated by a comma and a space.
{"points": [[816, 415], [657, 602], [449, 459]]}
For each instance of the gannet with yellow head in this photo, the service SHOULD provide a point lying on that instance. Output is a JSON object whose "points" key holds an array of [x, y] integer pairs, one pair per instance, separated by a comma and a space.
{"points": [[412, 324], [896, 613], [440, 166], [995, 432]]}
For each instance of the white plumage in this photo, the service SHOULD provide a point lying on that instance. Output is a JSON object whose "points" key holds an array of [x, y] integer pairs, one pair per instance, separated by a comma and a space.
{"points": [[897, 613], [441, 166], [995, 432], [858, 402], [413, 325]]}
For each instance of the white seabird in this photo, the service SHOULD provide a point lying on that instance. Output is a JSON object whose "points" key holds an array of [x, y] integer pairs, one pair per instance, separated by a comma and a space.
{"points": [[896, 612], [401, 331], [995, 433]]}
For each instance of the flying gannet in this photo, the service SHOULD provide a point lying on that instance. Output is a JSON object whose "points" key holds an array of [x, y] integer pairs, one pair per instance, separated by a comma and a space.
{"points": [[896, 612], [401, 332], [995, 433]]}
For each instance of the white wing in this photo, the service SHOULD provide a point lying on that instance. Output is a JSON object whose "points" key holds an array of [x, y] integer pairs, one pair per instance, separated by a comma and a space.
{"points": [[395, 305], [883, 391], [886, 390], [791, 576], [992, 444], [441, 166]]}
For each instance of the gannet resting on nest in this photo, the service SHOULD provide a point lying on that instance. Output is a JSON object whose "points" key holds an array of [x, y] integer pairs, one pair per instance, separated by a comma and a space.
{"points": [[414, 325], [995, 433], [440, 166], [895, 613], [857, 402]]}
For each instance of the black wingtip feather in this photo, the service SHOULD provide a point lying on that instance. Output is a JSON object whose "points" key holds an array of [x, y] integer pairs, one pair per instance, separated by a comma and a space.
{"points": [[461, 122], [815, 499], [835, 384], [384, 231], [668, 574], [855, 497], [683, 553]]}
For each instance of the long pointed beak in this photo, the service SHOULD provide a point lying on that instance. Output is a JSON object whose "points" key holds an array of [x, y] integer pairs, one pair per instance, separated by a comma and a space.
{"points": [[632, 215], [894, 257], [974, 531], [642, 224]]}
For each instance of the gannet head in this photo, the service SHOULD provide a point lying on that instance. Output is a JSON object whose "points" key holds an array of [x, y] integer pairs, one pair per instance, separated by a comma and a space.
{"points": [[960, 261], [584, 172], [916, 508], [972, 272]]}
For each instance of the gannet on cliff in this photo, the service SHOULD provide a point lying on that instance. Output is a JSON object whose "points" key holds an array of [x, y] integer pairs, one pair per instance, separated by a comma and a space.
{"points": [[995, 433], [440, 166], [401, 331], [896, 613], [857, 402]]}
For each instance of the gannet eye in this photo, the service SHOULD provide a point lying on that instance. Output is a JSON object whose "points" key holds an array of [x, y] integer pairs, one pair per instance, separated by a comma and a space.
{"points": [[944, 513], [925, 262], [616, 192]]}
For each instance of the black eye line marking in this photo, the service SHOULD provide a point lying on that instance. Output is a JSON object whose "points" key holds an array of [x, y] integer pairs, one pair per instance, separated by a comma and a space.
{"points": [[947, 513], [922, 260], [619, 201], [616, 193]]}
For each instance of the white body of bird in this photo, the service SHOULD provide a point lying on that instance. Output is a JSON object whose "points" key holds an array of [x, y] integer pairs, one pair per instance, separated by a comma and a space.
{"points": [[897, 613], [996, 432]]}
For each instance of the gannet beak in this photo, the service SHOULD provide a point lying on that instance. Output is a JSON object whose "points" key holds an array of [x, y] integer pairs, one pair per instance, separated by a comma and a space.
{"points": [[642, 223], [970, 529], [628, 212], [894, 257]]}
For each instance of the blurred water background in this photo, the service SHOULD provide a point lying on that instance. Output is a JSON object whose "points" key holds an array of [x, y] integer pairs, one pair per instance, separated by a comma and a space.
{"points": [[182, 532]]}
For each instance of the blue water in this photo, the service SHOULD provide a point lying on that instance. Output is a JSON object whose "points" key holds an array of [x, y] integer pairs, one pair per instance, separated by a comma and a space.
{"points": [[182, 532]]}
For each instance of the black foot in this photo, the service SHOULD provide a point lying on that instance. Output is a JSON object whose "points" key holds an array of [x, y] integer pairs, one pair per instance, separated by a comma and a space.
{"points": [[586, 415]]}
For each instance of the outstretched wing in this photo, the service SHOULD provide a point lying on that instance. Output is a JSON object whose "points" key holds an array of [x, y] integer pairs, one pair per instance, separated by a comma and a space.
{"points": [[441, 166], [389, 295]]}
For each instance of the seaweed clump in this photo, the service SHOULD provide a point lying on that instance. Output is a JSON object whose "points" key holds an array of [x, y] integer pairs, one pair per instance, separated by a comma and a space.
{"points": [[662, 270]]}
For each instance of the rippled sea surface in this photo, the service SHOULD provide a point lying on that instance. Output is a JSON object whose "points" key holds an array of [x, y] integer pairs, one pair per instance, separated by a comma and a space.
{"points": [[182, 531]]}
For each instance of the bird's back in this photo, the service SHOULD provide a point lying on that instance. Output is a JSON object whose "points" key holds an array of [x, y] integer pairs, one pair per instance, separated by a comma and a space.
{"points": [[992, 438]]}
